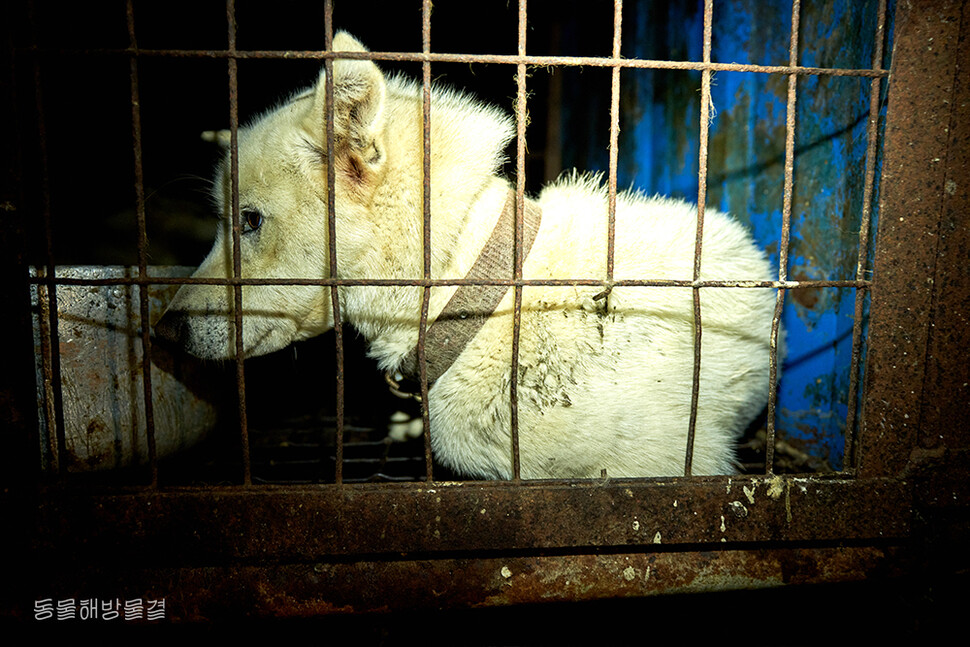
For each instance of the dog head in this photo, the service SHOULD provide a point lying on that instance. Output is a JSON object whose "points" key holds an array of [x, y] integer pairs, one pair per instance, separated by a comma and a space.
{"points": [[283, 214]]}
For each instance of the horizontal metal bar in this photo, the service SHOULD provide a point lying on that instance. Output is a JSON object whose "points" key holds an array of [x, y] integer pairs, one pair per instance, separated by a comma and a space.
{"points": [[199, 593], [438, 57], [622, 283], [320, 522]]}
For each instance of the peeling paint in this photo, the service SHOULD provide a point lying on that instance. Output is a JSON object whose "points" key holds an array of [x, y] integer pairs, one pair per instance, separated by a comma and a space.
{"points": [[749, 493], [738, 509], [776, 486]]}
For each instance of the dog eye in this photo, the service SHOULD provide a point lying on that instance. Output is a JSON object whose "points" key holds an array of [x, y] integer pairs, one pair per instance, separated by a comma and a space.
{"points": [[252, 220]]}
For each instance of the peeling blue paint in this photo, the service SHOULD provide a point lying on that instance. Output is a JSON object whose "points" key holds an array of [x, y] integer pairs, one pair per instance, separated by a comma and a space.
{"points": [[658, 154]]}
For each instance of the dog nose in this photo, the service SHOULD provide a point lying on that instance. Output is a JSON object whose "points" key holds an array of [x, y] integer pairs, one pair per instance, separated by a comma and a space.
{"points": [[172, 328]]}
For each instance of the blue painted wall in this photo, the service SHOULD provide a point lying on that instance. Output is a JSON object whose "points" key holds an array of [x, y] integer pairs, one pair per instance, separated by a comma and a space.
{"points": [[658, 154]]}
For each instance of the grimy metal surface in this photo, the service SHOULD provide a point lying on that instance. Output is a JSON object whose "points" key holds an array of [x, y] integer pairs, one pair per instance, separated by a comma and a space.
{"points": [[302, 590], [331, 521], [101, 367], [340, 548], [925, 162]]}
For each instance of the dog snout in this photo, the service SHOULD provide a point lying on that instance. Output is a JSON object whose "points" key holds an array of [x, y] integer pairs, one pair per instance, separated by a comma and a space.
{"points": [[173, 328]]}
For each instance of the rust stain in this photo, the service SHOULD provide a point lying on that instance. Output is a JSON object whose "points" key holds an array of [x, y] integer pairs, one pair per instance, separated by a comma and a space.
{"points": [[805, 297]]}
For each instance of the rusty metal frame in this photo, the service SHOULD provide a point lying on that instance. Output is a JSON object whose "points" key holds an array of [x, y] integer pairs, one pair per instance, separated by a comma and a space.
{"points": [[306, 550]]}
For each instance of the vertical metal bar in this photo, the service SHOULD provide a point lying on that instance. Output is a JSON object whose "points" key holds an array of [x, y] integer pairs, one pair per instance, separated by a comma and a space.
{"points": [[614, 138], [51, 393], [520, 123], [785, 238], [426, 239], [236, 238], [698, 242], [146, 340], [913, 199], [50, 341], [338, 328], [872, 133]]}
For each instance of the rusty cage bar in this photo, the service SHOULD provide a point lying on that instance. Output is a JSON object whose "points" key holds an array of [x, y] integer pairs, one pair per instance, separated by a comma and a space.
{"points": [[306, 550]]}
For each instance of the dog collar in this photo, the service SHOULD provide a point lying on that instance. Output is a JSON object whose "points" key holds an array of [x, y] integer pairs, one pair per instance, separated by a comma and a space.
{"points": [[471, 305]]}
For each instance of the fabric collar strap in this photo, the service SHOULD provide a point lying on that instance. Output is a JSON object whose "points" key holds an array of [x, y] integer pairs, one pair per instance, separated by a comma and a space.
{"points": [[471, 305]]}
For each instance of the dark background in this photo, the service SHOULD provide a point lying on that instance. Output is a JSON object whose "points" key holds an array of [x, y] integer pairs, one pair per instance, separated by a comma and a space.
{"points": [[85, 98]]}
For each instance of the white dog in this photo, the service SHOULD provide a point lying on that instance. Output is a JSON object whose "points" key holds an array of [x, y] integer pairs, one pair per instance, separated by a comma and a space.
{"points": [[604, 376]]}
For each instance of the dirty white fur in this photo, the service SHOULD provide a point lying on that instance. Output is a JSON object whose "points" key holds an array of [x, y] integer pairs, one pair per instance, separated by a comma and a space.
{"points": [[602, 384]]}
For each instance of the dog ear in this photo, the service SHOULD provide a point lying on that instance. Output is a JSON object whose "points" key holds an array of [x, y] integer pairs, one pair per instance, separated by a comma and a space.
{"points": [[358, 102]]}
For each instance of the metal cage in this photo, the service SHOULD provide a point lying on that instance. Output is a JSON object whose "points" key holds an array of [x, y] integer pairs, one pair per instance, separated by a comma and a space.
{"points": [[338, 547]]}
